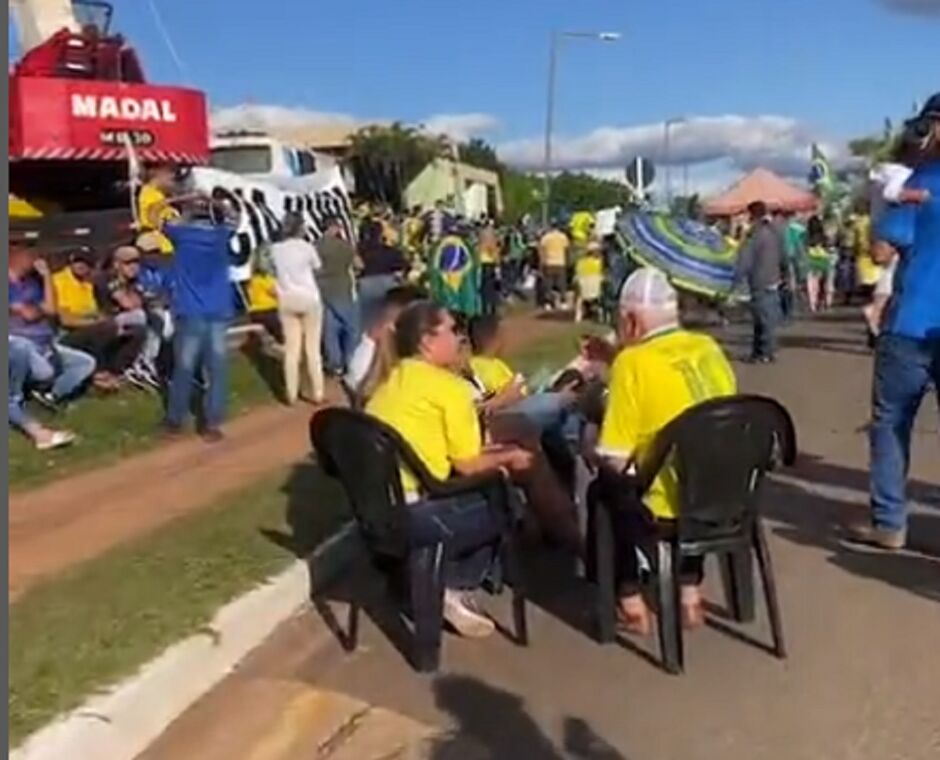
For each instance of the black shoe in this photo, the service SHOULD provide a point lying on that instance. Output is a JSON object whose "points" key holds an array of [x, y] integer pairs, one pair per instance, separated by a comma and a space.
{"points": [[46, 400]]}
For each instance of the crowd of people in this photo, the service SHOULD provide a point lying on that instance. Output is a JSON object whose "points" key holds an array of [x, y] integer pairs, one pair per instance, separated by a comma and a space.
{"points": [[157, 314]]}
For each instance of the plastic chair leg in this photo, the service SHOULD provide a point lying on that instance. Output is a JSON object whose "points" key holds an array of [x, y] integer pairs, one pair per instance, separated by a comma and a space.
{"points": [[670, 624], [606, 600], [770, 589], [737, 574], [513, 566], [426, 582]]}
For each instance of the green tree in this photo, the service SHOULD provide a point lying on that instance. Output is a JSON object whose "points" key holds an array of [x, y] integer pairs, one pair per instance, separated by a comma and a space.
{"points": [[522, 194], [582, 192], [482, 155], [389, 157]]}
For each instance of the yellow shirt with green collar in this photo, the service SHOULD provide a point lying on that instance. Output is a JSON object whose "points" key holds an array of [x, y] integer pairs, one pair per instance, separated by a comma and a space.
{"points": [[652, 383]]}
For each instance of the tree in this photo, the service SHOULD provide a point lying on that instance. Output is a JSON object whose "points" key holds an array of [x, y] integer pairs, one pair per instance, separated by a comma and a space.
{"points": [[522, 194], [482, 155], [583, 192], [387, 158]]}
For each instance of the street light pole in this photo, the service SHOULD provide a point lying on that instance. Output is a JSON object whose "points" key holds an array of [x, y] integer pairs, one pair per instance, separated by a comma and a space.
{"points": [[549, 126], [553, 49], [667, 157]]}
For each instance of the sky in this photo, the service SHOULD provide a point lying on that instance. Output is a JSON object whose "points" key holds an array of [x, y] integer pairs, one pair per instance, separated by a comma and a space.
{"points": [[757, 81]]}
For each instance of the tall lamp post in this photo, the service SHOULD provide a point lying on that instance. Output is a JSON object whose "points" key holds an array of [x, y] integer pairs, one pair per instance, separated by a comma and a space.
{"points": [[553, 48], [667, 155]]}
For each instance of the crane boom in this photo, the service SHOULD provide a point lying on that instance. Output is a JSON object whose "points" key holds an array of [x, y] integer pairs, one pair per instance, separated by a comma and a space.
{"points": [[37, 20]]}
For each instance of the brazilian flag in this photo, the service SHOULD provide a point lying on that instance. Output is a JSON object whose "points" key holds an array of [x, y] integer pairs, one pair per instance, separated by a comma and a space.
{"points": [[820, 172], [454, 276]]}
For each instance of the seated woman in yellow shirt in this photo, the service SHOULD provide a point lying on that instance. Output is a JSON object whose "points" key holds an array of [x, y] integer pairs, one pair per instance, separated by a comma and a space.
{"points": [[662, 371], [433, 409]]}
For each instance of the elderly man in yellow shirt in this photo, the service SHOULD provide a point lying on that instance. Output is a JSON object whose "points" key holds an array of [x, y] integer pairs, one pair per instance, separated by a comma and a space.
{"points": [[661, 371], [433, 409]]}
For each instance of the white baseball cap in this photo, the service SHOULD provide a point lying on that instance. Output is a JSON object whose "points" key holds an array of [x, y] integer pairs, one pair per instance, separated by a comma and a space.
{"points": [[648, 288]]}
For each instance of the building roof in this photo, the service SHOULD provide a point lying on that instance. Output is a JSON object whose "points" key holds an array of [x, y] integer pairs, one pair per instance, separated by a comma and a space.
{"points": [[761, 185]]}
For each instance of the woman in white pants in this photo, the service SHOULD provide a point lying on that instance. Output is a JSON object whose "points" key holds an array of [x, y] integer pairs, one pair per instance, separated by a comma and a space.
{"points": [[300, 308]]}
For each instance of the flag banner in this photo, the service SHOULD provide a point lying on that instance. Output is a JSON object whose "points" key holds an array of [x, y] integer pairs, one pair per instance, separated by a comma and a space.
{"points": [[455, 277], [260, 207]]}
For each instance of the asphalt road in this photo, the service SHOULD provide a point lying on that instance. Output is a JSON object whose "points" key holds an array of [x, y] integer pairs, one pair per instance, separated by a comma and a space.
{"points": [[862, 681]]}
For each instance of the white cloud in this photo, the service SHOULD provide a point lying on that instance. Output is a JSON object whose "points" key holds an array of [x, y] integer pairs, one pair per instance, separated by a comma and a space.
{"points": [[777, 142], [261, 117], [460, 126], [918, 7]]}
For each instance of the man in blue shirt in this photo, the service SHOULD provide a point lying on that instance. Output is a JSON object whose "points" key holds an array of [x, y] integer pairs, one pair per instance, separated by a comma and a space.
{"points": [[907, 360], [32, 312], [202, 307]]}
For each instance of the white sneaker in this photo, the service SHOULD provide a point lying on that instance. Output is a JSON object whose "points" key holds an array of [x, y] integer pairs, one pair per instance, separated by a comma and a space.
{"points": [[461, 613], [56, 440]]}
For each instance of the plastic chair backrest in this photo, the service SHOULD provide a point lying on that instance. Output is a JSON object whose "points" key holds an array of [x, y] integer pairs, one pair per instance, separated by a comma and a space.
{"points": [[366, 456], [721, 450]]}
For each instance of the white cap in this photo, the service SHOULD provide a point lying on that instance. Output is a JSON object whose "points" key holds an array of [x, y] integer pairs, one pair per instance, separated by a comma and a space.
{"points": [[648, 288]]}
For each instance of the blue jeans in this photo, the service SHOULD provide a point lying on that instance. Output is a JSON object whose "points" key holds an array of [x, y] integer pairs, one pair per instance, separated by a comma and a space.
{"points": [[340, 333], [23, 359], [372, 291], [468, 526], [904, 369], [198, 343], [765, 308], [68, 368]]}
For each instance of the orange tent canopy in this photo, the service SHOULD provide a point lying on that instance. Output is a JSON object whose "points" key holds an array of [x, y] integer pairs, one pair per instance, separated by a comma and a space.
{"points": [[761, 185]]}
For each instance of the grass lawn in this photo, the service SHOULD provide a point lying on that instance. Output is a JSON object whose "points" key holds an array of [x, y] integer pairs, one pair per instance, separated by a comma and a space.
{"points": [[111, 427], [101, 620]]}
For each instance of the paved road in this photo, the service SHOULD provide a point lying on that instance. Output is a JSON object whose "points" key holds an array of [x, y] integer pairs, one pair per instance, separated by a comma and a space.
{"points": [[862, 681]]}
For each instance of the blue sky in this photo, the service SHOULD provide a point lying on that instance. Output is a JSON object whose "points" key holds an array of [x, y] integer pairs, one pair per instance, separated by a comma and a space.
{"points": [[824, 69]]}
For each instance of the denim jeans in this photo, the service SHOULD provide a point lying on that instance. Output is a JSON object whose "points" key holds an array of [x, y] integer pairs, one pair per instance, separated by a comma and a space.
{"points": [[340, 333], [23, 359], [468, 526], [198, 342], [765, 308], [372, 292], [904, 369]]}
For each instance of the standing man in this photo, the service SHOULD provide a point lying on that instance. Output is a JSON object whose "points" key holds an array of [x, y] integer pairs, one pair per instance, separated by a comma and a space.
{"points": [[761, 263], [488, 248], [154, 209], [553, 260], [337, 288], [907, 356], [202, 305]]}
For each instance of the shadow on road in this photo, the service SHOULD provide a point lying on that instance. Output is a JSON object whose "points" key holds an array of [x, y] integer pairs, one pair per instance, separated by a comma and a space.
{"points": [[813, 520], [497, 721]]}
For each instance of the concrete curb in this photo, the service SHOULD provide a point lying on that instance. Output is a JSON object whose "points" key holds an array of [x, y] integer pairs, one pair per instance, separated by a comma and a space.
{"points": [[124, 721]]}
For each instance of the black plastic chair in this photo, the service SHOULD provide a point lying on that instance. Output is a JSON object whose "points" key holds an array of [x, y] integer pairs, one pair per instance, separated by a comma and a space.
{"points": [[366, 456], [721, 451]]}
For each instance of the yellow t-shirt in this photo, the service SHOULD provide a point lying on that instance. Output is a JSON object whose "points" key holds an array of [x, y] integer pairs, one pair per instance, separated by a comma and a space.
{"points": [[492, 372], [488, 246], [151, 195], [553, 249], [261, 293], [589, 266], [651, 384], [72, 295], [433, 410]]}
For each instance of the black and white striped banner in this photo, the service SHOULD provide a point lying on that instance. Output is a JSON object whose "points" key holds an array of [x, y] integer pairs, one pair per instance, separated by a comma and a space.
{"points": [[261, 207]]}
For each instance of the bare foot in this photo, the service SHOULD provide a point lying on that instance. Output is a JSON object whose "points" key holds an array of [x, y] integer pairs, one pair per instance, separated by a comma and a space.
{"points": [[635, 615], [693, 612]]}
